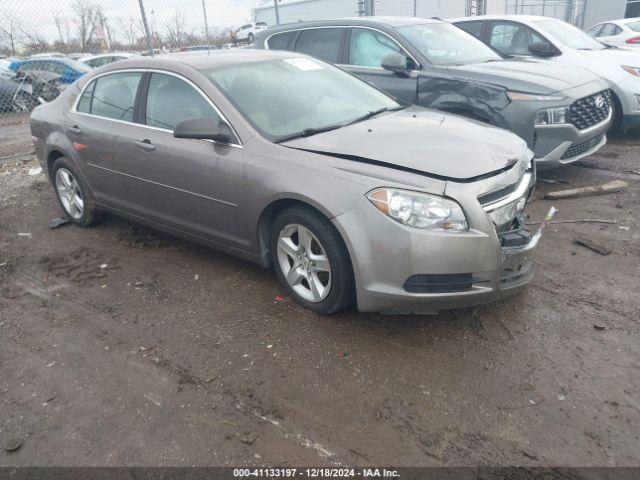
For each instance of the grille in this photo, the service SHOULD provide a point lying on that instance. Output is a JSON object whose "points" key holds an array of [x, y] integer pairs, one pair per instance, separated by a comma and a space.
{"points": [[585, 113], [445, 283], [580, 148], [497, 195]]}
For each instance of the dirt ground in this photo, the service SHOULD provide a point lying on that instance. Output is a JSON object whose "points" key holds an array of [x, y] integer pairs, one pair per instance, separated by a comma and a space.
{"points": [[122, 346]]}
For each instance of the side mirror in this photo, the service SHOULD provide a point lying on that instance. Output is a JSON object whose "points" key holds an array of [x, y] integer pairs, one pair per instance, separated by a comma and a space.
{"points": [[396, 63], [202, 128], [542, 49]]}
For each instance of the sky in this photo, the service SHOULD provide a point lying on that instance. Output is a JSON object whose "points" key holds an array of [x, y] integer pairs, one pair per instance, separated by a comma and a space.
{"points": [[38, 15]]}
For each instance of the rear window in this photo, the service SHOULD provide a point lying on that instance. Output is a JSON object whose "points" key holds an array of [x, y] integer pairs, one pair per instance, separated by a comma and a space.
{"points": [[322, 43], [282, 41], [635, 26]]}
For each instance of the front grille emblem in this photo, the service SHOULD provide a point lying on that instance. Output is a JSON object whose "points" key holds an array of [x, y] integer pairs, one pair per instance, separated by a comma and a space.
{"points": [[599, 102]]}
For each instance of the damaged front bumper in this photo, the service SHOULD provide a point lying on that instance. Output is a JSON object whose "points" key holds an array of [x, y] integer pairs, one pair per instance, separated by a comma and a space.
{"points": [[401, 270]]}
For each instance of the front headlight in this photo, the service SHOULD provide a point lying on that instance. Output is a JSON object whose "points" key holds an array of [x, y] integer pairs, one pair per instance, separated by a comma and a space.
{"points": [[515, 96], [635, 71], [552, 116], [419, 210]]}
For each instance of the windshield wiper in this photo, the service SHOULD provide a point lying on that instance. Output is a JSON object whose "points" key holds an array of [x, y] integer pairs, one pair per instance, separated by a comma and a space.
{"points": [[373, 113], [307, 132]]}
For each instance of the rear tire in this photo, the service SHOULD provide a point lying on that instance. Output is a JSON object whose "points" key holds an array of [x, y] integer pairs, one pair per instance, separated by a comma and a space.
{"points": [[72, 194], [311, 260]]}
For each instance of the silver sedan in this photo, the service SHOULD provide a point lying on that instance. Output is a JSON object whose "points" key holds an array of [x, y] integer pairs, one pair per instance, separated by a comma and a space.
{"points": [[353, 198]]}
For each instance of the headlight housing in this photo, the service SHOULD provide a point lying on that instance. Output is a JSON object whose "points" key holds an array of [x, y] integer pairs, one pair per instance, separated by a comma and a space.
{"points": [[552, 116], [419, 210], [635, 71]]}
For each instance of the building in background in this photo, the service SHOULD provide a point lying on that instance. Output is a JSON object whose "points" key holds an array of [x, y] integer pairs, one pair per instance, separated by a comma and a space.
{"points": [[583, 13]]}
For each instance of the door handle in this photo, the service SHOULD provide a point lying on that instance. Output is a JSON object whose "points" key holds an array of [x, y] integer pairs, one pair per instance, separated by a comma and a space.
{"points": [[146, 145], [75, 129]]}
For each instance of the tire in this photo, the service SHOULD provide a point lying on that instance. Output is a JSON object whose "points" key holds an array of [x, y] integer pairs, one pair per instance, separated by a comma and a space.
{"points": [[22, 103], [251, 38], [307, 274], [66, 181], [616, 122]]}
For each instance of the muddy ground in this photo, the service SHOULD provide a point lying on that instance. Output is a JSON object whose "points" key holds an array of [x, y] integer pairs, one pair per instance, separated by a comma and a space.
{"points": [[122, 346]]}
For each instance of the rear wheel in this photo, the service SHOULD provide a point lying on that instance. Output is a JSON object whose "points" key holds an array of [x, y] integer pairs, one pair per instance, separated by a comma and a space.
{"points": [[72, 194], [311, 260]]}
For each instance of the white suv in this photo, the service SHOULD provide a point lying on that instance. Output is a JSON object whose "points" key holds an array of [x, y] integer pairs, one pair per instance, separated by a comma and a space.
{"points": [[247, 33]]}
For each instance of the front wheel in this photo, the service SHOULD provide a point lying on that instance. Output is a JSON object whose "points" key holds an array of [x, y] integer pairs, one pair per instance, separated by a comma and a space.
{"points": [[311, 260]]}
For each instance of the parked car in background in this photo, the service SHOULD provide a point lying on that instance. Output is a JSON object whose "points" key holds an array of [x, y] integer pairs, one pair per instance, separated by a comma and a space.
{"points": [[618, 33], [288, 161], [48, 55], [247, 33], [95, 61], [68, 69], [198, 48], [13, 98], [434, 64], [557, 42], [76, 55]]}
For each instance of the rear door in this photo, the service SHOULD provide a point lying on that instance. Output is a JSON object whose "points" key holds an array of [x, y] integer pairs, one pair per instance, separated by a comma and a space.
{"points": [[364, 53]]}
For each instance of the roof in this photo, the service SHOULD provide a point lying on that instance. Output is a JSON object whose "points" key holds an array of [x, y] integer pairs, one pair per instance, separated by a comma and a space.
{"points": [[202, 60], [515, 18], [357, 21]]}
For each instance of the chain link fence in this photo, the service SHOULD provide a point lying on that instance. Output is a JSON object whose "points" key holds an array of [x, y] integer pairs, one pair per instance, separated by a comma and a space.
{"points": [[45, 46]]}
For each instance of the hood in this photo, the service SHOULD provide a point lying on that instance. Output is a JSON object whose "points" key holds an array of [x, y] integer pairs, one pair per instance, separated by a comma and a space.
{"points": [[527, 75], [422, 141]]}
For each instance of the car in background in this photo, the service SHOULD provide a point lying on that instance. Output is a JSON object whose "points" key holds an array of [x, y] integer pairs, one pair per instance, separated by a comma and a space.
{"points": [[13, 98], [48, 55], [436, 65], [618, 33], [559, 43], [76, 55], [95, 61], [68, 69], [290, 162], [247, 33]]}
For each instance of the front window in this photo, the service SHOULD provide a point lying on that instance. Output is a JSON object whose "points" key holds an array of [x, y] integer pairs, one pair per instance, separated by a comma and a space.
{"points": [[283, 97], [511, 38], [77, 66], [322, 43], [568, 35], [114, 96], [444, 44], [171, 100], [369, 47]]}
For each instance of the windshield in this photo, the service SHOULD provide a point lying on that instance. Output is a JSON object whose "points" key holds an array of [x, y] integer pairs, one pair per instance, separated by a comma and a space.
{"points": [[286, 96], [445, 44], [635, 26], [569, 35]]}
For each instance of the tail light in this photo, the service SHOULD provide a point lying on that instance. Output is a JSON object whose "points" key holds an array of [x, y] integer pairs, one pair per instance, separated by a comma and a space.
{"points": [[634, 41]]}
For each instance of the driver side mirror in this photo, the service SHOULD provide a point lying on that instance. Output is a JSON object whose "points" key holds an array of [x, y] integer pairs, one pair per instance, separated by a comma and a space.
{"points": [[203, 128], [396, 63], [542, 49]]}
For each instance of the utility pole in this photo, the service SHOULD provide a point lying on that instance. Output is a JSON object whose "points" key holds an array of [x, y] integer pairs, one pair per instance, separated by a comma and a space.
{"points": [[146, 28], [206, 26], [275, 9], [415, 8]]}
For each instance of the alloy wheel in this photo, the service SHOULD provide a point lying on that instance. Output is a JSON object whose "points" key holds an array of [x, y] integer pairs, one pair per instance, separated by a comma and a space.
{"points": [[69, 193], [304, 263]]}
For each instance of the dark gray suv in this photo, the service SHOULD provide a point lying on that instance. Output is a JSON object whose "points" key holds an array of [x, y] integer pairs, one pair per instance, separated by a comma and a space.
{"points": [[562, 112]]}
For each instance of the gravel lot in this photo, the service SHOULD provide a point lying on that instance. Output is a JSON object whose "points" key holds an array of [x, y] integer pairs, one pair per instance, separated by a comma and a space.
{"points": [[122, 346]]}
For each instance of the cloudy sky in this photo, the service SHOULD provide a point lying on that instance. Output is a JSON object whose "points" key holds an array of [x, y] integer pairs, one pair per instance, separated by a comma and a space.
{"points": [[38, 15]]}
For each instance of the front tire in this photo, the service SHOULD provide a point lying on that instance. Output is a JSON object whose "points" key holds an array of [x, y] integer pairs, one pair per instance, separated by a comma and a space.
{"points": [[72, 194], [311, 260]]}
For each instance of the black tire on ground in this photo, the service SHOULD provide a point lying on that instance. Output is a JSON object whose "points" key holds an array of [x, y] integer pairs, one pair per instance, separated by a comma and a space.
{"points": [[342, 290], [90, 215], [616, 122]]}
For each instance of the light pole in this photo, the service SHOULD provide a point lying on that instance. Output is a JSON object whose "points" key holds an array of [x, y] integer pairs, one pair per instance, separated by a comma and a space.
{"points": [[146, 28]]}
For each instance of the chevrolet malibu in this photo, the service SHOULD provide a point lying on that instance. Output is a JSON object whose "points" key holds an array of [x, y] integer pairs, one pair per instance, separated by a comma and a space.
{"points": [[353, 198]]}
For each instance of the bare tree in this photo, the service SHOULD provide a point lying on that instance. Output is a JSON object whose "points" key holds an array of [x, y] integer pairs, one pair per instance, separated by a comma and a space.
{"points": [[88, 15], [33, 41], [62, 27], [130, 29], [176, 29], [10, 30]]}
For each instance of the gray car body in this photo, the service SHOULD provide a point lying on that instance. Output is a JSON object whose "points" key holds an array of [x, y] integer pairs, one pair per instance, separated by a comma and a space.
{"points": [[225, 196], [479, 91]]}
